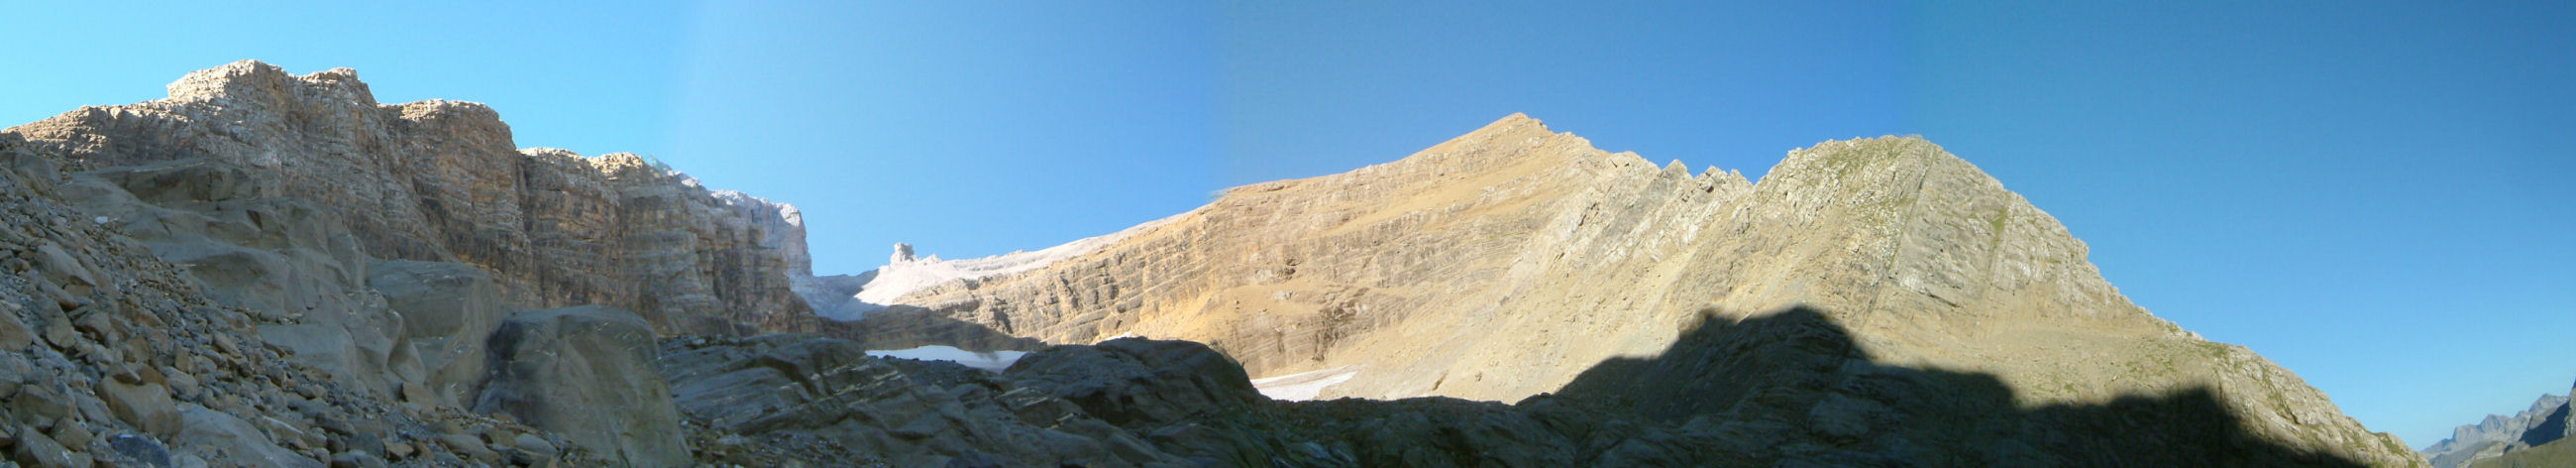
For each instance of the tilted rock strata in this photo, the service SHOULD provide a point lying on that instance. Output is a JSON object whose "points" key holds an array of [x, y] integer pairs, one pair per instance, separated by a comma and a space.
{"points": [[440, 181], [1500, 264]]}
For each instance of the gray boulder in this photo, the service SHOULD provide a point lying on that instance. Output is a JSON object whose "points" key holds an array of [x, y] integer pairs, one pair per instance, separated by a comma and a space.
{"points": [[587, 373], [1129, 381], [225, 437], [901, 412], [448, 309]]}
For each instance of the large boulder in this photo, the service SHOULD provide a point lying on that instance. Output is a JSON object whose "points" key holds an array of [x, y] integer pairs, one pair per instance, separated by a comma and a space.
{"points": [[586, 372], [1130, 381], [901, 412], [448, 309], [225, 437]]}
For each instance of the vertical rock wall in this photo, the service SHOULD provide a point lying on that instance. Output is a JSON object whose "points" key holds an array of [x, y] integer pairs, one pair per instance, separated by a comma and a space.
{"points": [[441, 181]]}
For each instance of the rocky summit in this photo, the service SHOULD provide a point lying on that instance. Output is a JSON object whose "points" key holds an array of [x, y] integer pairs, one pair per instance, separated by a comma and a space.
{"points": [[267, 269]]}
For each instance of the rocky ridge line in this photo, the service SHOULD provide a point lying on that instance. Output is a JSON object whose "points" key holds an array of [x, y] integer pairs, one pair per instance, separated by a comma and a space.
{"points": [[439, 180], [279, 331], [1501, 264]]}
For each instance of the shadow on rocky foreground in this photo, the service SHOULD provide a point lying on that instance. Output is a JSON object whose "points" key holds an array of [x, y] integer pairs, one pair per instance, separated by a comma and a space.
{"points": [[1797, 382], [1785, 389]]}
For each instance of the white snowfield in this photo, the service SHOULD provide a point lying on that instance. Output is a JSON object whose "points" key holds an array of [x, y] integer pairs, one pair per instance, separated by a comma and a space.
{"points": [[849, 297], [1304, 386], [989, 361]]}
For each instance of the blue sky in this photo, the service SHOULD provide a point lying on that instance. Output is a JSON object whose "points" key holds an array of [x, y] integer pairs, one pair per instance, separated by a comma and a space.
{"points": [[2373, 194]]}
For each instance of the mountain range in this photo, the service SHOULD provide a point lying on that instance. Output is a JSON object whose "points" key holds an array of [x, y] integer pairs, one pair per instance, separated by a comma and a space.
{"points": [[2532, 438], [266, 269]]}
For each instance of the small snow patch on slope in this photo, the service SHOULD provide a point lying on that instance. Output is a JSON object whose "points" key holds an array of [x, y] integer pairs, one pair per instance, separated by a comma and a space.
{"points": [[989, 361], [1303, 386]]}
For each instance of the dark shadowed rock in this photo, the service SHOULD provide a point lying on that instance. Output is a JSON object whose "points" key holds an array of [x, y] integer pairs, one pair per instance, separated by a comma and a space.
{"points": [[907, 413], [586, 372], [1132, 380], [448, 310]]}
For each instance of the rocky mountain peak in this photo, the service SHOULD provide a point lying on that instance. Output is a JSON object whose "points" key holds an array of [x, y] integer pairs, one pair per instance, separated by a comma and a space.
{"points": [[1499, 145]]}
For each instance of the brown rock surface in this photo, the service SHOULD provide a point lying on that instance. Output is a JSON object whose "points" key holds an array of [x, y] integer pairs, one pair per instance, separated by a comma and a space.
{"points": [[137, 360], [1873, 302], [1500, 264], [440, 181]]}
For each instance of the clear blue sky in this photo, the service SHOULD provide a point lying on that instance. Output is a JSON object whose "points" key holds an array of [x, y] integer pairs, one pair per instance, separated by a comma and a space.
{"points": [[2375, 195]]}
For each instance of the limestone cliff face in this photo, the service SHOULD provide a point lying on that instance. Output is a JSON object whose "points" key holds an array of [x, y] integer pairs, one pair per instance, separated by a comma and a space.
{"points": [[441, 181], [1500, 264]]}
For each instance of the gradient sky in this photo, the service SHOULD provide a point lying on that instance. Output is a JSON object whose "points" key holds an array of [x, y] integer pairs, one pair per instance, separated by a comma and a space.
{"points": [[2376, 195]]}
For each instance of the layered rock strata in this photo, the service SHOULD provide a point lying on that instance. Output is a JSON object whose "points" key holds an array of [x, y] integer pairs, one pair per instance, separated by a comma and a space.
{"points": [[440, 181], [270, 270], [1500, 264], [117, 357], [381, 254]]}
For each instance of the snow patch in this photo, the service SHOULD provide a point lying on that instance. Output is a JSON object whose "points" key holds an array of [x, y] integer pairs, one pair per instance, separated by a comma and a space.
{"points": [[1304, 386], [992, 361]]}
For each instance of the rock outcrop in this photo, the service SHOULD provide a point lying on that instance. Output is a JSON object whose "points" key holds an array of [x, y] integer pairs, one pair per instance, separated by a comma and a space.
{"points": [[1503, 263], [586, 372], [274, 270], [440, 181], [2499, 435], [449, 312], [906, 413], [118, 356]]}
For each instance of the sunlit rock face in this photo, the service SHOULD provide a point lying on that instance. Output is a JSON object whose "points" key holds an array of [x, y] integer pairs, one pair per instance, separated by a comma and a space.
{"points": [[1502, 263], [274, 270], [441, 180]]}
